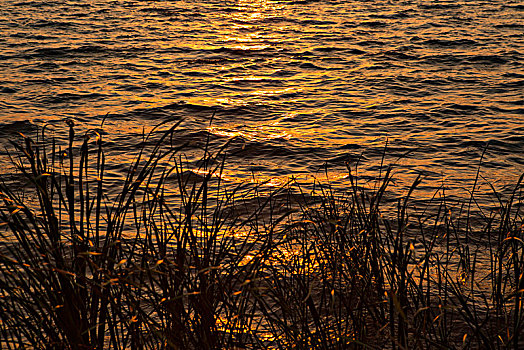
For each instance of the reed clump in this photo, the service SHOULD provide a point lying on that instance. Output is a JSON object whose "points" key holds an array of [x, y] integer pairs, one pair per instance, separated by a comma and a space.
{"points": [[162, 260]]}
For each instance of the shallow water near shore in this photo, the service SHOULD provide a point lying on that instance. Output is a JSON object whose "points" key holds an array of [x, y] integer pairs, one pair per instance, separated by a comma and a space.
{"points": [[299, 84]]}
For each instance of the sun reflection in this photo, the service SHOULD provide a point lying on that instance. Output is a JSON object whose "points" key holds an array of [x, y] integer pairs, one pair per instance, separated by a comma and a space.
{"points": [[262, 132], [249, 30], [254, 9]]}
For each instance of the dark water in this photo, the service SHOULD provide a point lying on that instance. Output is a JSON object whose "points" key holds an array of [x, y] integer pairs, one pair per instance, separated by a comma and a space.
{"points": [[300, 84]]}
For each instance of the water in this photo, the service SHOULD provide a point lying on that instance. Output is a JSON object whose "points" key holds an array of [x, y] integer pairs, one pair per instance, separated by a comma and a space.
{"points": [[301, 84]]}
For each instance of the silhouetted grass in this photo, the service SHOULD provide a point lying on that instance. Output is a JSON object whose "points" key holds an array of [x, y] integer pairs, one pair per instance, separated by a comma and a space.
{"points": [[186, 262]]}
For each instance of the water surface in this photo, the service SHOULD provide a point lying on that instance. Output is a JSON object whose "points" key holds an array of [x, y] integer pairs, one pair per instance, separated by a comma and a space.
{"points": [[301, 84]]}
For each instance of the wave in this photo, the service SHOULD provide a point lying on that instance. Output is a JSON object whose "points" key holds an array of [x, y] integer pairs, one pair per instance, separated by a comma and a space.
{"points": [[17, 126], [68, 97], [450, 42], [7, 90], [42, 23]]}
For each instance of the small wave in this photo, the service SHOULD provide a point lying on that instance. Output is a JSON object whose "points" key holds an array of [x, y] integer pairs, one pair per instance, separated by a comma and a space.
{"points": [[400, 55], [62, 52], [370, 43], [517, 139], [351, 146], [196, 139], [462, 107], [243, 50], [434, 82], [285, 73], [196, 74], [516, 7], [442, 59], [450, 43], [210, 60], [270, 20], [513, 75], [316, 22], [173, 111], [39, 37], [454, 109], [34, 4], [356, 52], [439, 6], [472, 143], [50, 51], [48, 65], [189, 106], [7, 90], [351, 51], [188, 177], [512, 84], [41, 23], [486, 59], [510, 25], [154, 86], [19, 126], [70, 97], [249, 81], [131, 87], [87, 49], [241, 147], [163, 12], [373, 24], [155, 113], [330, 49], [54, 80], [346, 158], [396, 15], [309, 65], [304, 2]]}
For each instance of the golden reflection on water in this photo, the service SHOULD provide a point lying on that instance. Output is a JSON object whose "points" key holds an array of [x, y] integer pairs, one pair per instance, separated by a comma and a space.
{"points": [[317, 76], [249, 33]]}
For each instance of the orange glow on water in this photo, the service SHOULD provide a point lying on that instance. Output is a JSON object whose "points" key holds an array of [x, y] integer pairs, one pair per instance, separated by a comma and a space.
{"points": [[315, 82]]}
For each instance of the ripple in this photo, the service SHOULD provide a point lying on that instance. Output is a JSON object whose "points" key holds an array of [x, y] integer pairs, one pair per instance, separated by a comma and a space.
{"points": [[336, 80], [7, 90], [69, 97], [451, 43]]}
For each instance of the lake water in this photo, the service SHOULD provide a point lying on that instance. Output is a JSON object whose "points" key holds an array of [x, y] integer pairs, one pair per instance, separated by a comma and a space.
{"points": [[301, 84]]}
